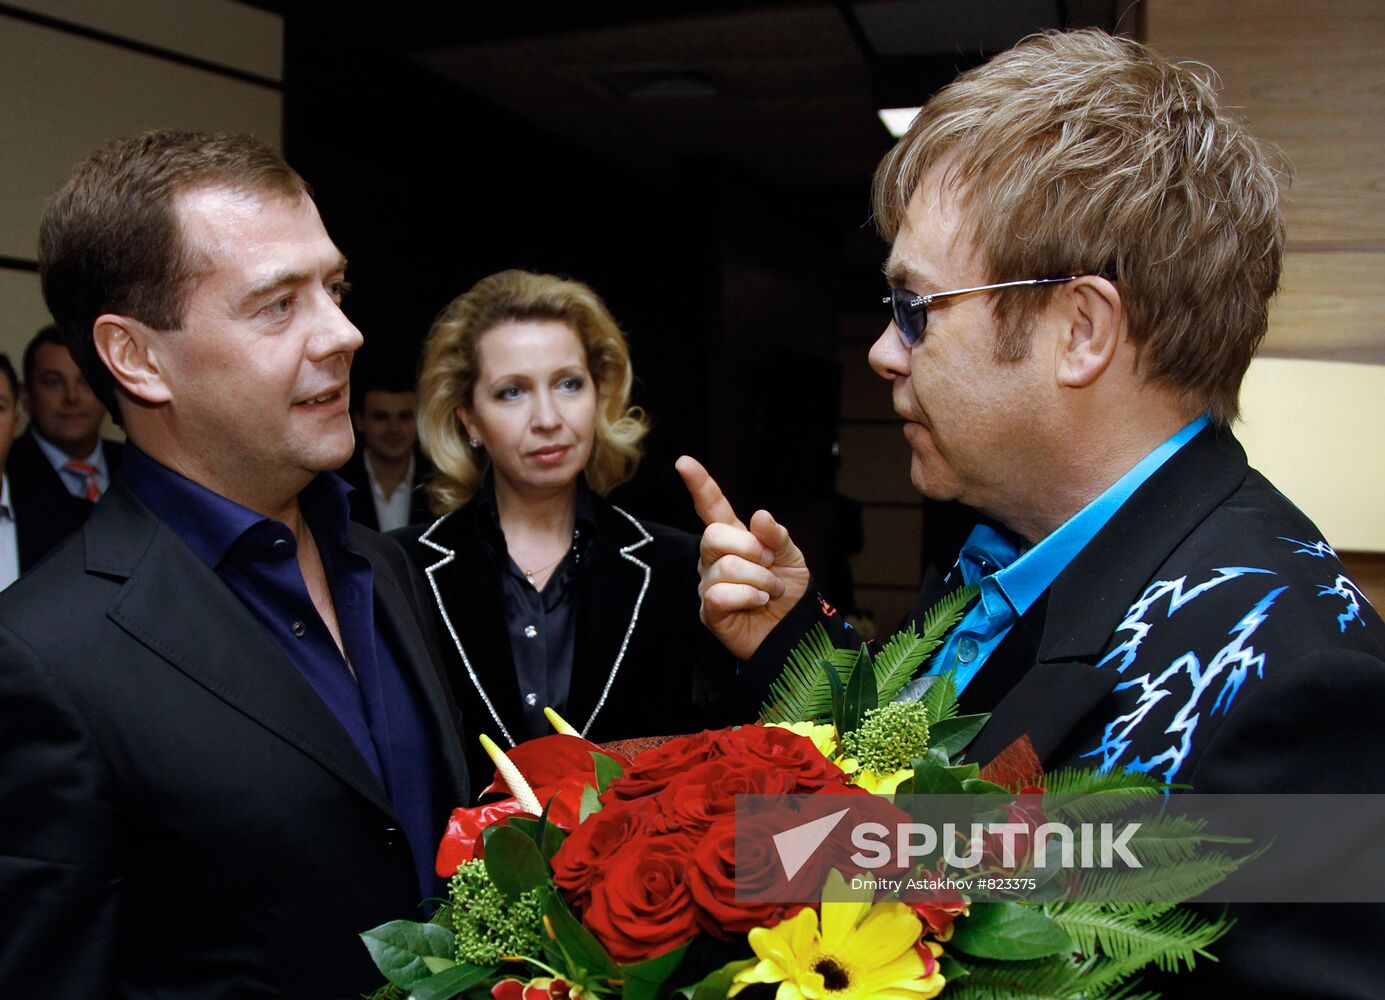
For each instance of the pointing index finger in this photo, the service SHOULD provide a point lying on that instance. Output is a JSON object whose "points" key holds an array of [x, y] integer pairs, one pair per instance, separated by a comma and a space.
{"points": [[708, 500]]}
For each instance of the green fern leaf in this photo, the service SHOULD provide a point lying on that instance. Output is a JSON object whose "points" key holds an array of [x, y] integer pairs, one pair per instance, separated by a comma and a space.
{"points": [[1135, 935], [801, 692], [940, 700]]}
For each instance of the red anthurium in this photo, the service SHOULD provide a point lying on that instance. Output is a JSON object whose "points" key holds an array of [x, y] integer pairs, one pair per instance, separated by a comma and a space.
{"points": [[549, 760], [557, 768]]}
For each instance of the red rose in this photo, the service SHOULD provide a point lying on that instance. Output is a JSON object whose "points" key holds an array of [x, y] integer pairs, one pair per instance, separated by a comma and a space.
{"points": [[712, 881], [650, 772], [641, 906], [806, 769], [589, 849], [693, 800]]}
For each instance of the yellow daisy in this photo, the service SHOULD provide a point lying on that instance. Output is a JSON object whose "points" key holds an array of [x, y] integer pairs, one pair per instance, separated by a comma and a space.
{"points": [[876, 784], [859, 950], [823, 734]]}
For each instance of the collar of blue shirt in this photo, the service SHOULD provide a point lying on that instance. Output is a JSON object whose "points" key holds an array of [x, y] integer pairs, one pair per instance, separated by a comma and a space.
{"points": [[1012, 578]]}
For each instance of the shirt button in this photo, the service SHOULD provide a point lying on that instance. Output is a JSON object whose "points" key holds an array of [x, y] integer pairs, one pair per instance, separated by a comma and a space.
{"points": [[530, 632], [281, 546], [298, 629], [967, 650], [531, 699]]}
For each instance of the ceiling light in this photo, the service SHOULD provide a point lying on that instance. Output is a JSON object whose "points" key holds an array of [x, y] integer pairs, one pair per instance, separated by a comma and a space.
{"points": [[897, 119]]}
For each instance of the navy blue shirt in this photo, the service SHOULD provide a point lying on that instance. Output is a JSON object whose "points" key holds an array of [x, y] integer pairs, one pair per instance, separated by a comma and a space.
{"points": [[256, 556]]}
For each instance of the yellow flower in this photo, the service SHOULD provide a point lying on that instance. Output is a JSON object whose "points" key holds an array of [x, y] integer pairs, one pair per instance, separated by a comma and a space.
{"points": [[823, 735], [861, 950], [877, 784]]}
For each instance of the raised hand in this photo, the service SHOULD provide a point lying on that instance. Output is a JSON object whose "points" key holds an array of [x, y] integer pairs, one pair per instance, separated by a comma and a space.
{"points": [[751, 576]]}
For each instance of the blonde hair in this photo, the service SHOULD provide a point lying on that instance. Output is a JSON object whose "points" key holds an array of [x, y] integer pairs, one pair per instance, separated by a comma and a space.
{"points": [[1080, 153], [451, 365]]}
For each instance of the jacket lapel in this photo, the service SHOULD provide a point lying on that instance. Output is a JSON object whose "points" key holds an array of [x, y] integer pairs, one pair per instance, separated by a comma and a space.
{"points": [[465, 589], [397, 617], [178, 608], [617, 578], [1062, 684]]}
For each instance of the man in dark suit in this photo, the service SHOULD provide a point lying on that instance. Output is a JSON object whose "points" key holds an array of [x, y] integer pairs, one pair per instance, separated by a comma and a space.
{"points": [[35, 513], [387, 471], [60, 465], [1084, 246], [226, 748]]}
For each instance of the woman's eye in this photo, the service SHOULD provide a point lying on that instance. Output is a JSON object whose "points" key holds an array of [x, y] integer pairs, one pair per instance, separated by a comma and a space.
{"points": [[572, 384], [508, 392]]}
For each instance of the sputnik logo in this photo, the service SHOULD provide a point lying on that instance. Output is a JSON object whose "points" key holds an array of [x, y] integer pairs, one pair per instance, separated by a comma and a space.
{"points": [[796, 845]]}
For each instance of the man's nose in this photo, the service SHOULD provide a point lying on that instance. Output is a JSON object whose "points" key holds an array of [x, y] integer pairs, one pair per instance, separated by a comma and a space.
{"points": [[335, 334], [889, 358]]}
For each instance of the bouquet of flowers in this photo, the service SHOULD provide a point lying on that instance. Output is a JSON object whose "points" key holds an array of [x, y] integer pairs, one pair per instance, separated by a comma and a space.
{"points": [[603, 875]]}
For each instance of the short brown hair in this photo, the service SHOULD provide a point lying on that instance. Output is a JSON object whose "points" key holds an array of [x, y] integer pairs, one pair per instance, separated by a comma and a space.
{"points": [[110, 239], [1080, 153], [451, 366]]}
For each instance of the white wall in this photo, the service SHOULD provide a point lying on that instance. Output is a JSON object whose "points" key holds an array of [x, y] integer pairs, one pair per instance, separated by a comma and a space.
{"points": [[83, 71]]}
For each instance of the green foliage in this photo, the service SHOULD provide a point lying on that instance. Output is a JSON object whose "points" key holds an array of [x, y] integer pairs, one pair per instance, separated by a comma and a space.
{"points": [[803, 691], [1010, 932], [889, 737], [489, 924], [607, 769], [941, 699], [861, 694], [1133, 935], [645, 980], [573, 949], [400, 947], [513, 861], [952, 735], [1169, 883]]}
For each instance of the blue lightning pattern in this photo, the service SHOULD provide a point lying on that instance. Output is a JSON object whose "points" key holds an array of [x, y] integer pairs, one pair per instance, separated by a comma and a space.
{"points": [[1318, 550], [1353, 597], [1178, 596], [1231, 665]]}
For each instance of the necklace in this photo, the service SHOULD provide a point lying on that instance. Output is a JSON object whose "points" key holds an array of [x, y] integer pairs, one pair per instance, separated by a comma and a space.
{"points": [[530, 573]]}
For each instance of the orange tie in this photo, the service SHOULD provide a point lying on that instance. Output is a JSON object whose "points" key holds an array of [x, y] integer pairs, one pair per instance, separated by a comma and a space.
{"points": [[88, 470]]}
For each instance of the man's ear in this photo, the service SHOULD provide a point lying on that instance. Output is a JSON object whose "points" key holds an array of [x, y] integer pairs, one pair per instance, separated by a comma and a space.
{"points": [[1093, 323], [129, 349]]}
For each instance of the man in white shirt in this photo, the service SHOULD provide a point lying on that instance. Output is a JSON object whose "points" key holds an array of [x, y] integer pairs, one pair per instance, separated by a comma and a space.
{"points": [[387, 470], [65, 423]]}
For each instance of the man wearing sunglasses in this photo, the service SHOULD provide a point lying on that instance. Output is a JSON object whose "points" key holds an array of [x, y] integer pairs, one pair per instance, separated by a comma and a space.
{"points": [[1084, 244]]}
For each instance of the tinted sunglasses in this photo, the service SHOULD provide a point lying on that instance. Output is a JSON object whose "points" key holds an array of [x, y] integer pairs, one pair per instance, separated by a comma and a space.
{"points": [[910, 309]]}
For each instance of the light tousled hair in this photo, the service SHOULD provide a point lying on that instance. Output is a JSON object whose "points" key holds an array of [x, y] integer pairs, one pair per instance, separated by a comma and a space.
{"points": [[1080, 153], [451, 365]]}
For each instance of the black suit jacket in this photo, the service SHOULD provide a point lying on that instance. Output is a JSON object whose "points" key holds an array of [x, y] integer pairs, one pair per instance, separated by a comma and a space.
{"points": [[1206, 572], [363, 500], [643, 664], [44, 511], [183, 816]]}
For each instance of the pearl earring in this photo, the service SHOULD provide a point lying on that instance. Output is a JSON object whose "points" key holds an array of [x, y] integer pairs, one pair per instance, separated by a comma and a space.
{"points": [[475, 442]]}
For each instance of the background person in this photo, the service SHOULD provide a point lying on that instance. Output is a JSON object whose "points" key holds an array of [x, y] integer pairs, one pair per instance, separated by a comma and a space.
{"points": [[1148, 601], [60, 465], [65, 419], [551, 595], [226, 748], [387, 470]]}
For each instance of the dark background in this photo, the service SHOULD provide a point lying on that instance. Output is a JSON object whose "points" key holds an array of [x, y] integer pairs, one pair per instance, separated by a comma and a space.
{"points": [[705, 168]]}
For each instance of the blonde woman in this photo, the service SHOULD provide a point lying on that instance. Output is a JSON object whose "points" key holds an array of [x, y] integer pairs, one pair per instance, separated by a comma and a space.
{"points": [[545, 593]]}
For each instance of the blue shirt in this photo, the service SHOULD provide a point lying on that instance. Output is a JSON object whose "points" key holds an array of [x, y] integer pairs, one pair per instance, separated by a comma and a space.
{"points": [[1012, 579], [256, 557]]}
